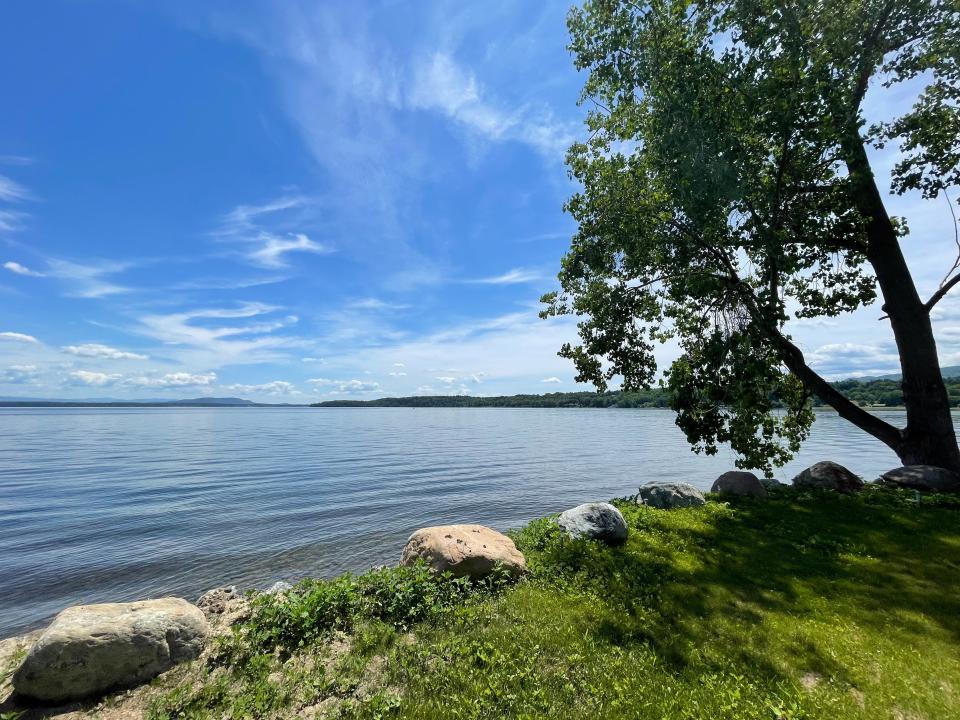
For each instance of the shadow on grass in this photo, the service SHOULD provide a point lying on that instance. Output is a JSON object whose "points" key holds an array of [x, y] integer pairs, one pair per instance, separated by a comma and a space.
{"points": [[701, 586]]}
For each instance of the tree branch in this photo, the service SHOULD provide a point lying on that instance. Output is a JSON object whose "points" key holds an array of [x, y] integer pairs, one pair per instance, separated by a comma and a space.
{"points": [[793, 358], [939, 294]]}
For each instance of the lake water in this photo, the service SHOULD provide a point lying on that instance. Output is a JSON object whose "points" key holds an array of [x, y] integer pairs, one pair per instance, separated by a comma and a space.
{"points": [[102, 504]]}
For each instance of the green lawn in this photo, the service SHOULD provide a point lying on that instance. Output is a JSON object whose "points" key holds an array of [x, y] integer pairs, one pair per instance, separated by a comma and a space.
{"points": [[802, 605]]}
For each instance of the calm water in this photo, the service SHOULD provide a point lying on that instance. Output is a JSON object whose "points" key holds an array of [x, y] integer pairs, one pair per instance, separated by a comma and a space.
{"points": [[101, 505]]}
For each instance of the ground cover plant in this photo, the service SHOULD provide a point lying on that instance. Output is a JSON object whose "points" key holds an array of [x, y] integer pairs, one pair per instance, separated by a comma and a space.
{"points": [[800, 605]]}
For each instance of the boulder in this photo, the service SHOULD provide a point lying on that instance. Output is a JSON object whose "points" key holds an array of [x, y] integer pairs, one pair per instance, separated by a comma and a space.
{"points": [[465, 550], [922, 477], [828, 475], [216, 601], [771, 485], [669, 495], [737, 482], [89, 649], [596, 521]]}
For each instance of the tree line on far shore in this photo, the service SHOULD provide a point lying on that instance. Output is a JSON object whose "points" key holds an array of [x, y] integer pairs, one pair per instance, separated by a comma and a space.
{"points": [[878, 392]]}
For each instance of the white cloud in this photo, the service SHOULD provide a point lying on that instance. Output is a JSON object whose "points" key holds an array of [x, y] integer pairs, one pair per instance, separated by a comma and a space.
{"points": [[850, 359], [88, 280], [97, 379], [275, 387], [241, 218], [441, 84], [103, 351], [239, 341], [553, 380], [173, 380], [511, 277], [19, 269], [399, 365], [446, 379], [19, 374], [374, 304], [311, 360], [10, 220], [11, 191], [346, 386], [272, 250], [397, 374], [18, 337], [160, 382]]}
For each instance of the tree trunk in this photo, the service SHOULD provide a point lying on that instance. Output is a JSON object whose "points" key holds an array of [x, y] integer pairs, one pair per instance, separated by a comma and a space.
{"points": [[929, 437]]}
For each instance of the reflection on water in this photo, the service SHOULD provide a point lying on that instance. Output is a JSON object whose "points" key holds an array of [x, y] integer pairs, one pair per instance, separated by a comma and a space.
{"points": [[107, 504]]}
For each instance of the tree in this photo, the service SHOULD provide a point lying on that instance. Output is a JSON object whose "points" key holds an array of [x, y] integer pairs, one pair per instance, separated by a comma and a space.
{"points": [[726, 188]]}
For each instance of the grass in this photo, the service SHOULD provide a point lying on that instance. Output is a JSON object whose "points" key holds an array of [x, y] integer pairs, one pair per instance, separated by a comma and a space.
{"points": [[802, 605]]}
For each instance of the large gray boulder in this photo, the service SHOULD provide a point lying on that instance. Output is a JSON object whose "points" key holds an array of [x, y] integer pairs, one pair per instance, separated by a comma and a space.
{"points": [[472, 551], [738, 482], [669, 495], [596, 521], [828, 475], [90, 649], [922, 477]]}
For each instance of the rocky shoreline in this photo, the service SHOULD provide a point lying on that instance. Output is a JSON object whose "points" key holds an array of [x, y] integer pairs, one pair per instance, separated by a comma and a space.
{"points": [[89, 652]]}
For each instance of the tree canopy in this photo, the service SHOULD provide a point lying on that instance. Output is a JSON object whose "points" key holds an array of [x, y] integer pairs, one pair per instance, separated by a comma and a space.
{"points": [[726, 188]]}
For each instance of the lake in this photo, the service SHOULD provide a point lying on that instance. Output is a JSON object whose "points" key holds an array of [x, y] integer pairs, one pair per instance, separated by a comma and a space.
{"points": [[104, 504]]}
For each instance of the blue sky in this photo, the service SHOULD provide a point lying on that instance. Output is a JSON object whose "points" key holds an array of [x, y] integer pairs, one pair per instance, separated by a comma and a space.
{"points": [[293, 201]]}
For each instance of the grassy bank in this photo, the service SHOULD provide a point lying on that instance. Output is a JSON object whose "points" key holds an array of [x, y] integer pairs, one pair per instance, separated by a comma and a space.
{"points": [[799, 606]]}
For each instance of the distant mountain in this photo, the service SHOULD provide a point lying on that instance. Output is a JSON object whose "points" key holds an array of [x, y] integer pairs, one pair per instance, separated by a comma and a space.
{"points": [[213, 401], [113, 402], [950, 371]]}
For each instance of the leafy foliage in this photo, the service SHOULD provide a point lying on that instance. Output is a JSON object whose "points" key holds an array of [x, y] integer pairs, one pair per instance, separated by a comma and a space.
{"points": [[722, 192]]}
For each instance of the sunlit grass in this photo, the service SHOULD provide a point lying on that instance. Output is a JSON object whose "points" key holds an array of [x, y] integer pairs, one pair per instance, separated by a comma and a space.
{"points": [[797, 606]]}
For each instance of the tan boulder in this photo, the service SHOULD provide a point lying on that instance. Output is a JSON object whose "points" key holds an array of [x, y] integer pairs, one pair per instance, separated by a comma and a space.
{"points": [[465, 550], [90, 649]]}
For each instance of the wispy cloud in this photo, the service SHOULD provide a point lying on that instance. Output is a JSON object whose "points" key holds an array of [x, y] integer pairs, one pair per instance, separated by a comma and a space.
{"points": [[272, 249], [217, 336], [19, 269], [158, 382], [553, 380], [11, 191], [275, 387], [89, 280], [10, 220], [245, 218], [228, 283], [174, 380], [19, 374], [96, 379], [18, 337], [442, 84], [269, 232], [511, 277], [375, 304], [95, 350], [346, 386]]}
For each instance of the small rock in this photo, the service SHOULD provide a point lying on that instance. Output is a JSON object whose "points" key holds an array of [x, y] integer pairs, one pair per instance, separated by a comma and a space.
{"points": [[278, 587], [597, 521], [465, 550], [737, 482], [215, 601], [828, 475], [922, 477], [89, 649], [669, 495]]}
